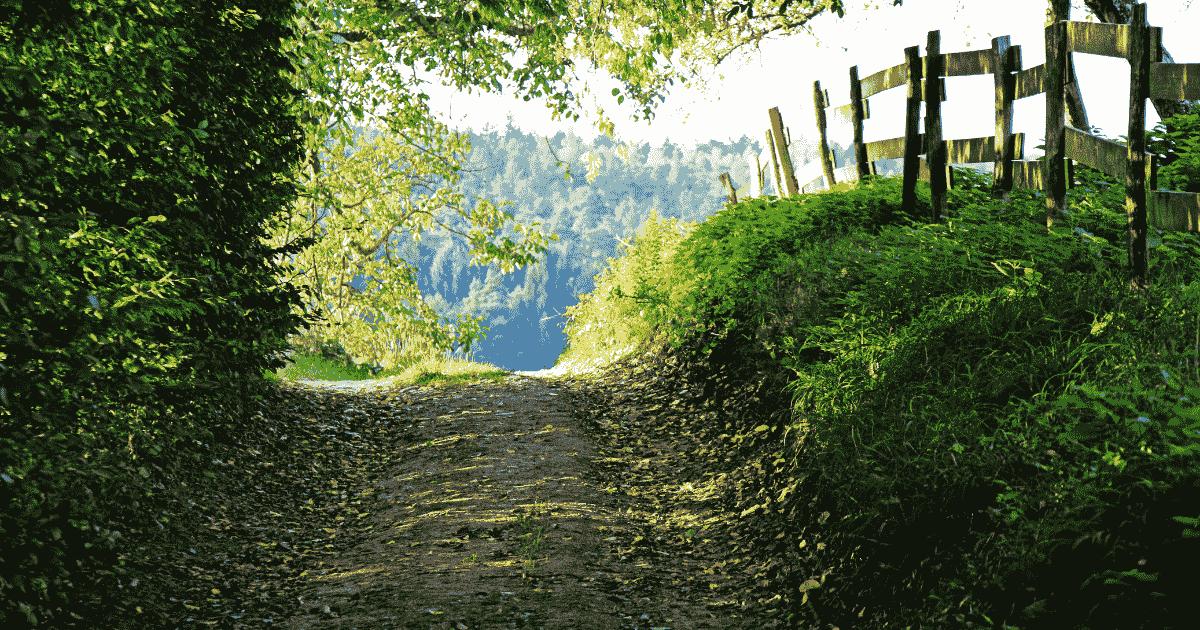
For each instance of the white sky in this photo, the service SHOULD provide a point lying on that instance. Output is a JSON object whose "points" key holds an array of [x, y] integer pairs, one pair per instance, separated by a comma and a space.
{"points": [[782, 75]]}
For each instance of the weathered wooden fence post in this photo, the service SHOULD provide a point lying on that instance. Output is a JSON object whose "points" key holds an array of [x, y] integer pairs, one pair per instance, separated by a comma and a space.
{"points": [[730, 193], [935, 149], [1002, 64], [758, 169], [782, 144], [1056, 48], [1135, 171], [820, 102], [775, 161], [856, 112], [912, 139]]}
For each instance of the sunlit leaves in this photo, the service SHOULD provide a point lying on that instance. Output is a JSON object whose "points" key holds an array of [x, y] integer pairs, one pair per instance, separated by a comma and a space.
{"points": [[688, 28]]}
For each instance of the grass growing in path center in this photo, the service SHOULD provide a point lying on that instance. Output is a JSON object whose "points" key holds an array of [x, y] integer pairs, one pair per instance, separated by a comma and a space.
{"points": [[332, 363]]}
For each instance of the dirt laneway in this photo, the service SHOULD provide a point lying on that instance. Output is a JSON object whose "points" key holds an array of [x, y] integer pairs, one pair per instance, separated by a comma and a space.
{"points": [[489, 505]]}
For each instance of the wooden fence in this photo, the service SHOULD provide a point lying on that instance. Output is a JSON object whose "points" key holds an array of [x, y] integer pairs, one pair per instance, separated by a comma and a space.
{"points": [[1149, 78], [810, 172]]}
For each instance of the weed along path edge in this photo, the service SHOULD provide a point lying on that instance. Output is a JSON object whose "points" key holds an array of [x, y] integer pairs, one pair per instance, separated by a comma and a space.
{"points": [[490, 505]]}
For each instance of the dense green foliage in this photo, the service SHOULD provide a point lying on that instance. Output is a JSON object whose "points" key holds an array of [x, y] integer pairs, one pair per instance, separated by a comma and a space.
{"points": [[142, 148]]}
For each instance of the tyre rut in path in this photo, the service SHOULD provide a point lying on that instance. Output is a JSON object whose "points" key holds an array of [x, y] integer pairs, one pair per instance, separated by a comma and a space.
{"points": [[486, 505]]}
